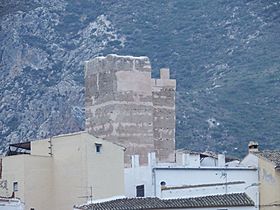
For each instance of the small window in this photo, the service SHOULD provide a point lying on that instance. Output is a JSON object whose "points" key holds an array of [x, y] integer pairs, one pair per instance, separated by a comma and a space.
{"points": [[98, 148], [15, 186], [140, 191], [162, 185]]}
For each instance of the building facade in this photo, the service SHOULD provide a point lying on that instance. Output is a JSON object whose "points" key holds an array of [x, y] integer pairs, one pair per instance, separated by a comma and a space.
{"points": [[192, 175], [125, 105], [59, 172], [268, 164]]}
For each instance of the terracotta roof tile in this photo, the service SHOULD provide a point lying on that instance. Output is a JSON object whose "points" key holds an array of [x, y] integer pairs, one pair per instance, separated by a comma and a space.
{"points": [[228, 200]]}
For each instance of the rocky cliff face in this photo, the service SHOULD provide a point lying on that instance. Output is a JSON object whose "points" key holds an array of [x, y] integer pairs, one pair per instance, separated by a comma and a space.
{"points": [[224, 55]]}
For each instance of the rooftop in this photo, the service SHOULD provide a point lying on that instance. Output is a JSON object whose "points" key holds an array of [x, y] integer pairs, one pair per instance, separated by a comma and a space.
{"points": [[271, 155], [227, 200], [204, 154]]}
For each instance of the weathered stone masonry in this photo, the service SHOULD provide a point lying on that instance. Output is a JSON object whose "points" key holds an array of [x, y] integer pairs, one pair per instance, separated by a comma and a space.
{"points": [[124, 105]]}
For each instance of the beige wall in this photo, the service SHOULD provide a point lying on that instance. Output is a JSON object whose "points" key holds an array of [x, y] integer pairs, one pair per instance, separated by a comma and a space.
{"points": [[64, 179], [269, 186], [110, 171], [33, 174], [41, 147]]}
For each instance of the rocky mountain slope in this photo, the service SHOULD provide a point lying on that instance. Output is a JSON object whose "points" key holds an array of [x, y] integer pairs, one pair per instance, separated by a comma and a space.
{"points": [[224, 55]]}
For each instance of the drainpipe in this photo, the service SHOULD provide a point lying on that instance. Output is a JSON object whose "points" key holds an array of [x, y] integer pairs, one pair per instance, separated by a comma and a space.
{"points": [[154, 181]]}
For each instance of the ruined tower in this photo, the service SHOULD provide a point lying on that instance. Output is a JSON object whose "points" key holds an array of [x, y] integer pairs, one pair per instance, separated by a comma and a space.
{"points": [[124, 105]]}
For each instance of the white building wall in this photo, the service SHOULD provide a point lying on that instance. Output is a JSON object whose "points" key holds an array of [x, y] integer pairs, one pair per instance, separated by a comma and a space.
{"points": [[178, 177], [209, 161], [188, 171], [250, 161], [139, 175], [11, 204]]}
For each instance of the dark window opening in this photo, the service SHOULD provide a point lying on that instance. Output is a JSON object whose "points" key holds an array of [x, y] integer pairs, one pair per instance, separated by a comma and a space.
{"points": [[140, 191], [15, 187], [163, 183], [98, 148]]}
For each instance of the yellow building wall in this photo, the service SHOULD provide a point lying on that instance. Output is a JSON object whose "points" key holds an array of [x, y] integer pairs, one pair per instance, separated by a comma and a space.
{"points": [[33, 174], [60, 181], [269, 186], [110, 169], [78, 168], [13, 171], [69, 171], [41, 147]]}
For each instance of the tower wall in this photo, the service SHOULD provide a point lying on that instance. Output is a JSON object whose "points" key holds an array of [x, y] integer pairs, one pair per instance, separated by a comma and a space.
{"points": [[126, 106], [119, 102], [164, 117]]}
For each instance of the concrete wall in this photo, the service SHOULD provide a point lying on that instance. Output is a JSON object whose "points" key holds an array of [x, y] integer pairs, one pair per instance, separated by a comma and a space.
{"points": [[124, 105]]}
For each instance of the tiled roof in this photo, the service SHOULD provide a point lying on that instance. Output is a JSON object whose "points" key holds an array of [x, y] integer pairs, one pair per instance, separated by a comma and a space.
{"points": [[228, 200], [271, 155]]}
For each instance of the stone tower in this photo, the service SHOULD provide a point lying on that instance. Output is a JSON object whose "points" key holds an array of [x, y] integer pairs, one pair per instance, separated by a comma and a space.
{"points": [[164, 116], [124, 105]]}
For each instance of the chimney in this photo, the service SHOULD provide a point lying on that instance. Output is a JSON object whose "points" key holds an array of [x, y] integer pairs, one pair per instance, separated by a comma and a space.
{"points": [[221, 160], [253, 146]]}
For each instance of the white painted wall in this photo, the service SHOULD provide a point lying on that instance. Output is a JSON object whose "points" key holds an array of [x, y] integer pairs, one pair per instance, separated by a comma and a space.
{"points": [[250, 161], [190, 172], [139, 175], [11, 204], [176, 177]]}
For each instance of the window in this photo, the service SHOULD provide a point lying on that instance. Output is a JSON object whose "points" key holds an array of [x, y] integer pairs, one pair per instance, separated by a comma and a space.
{"points": [[98, 148], [162, 183], [140, 191], [15, 187]]}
